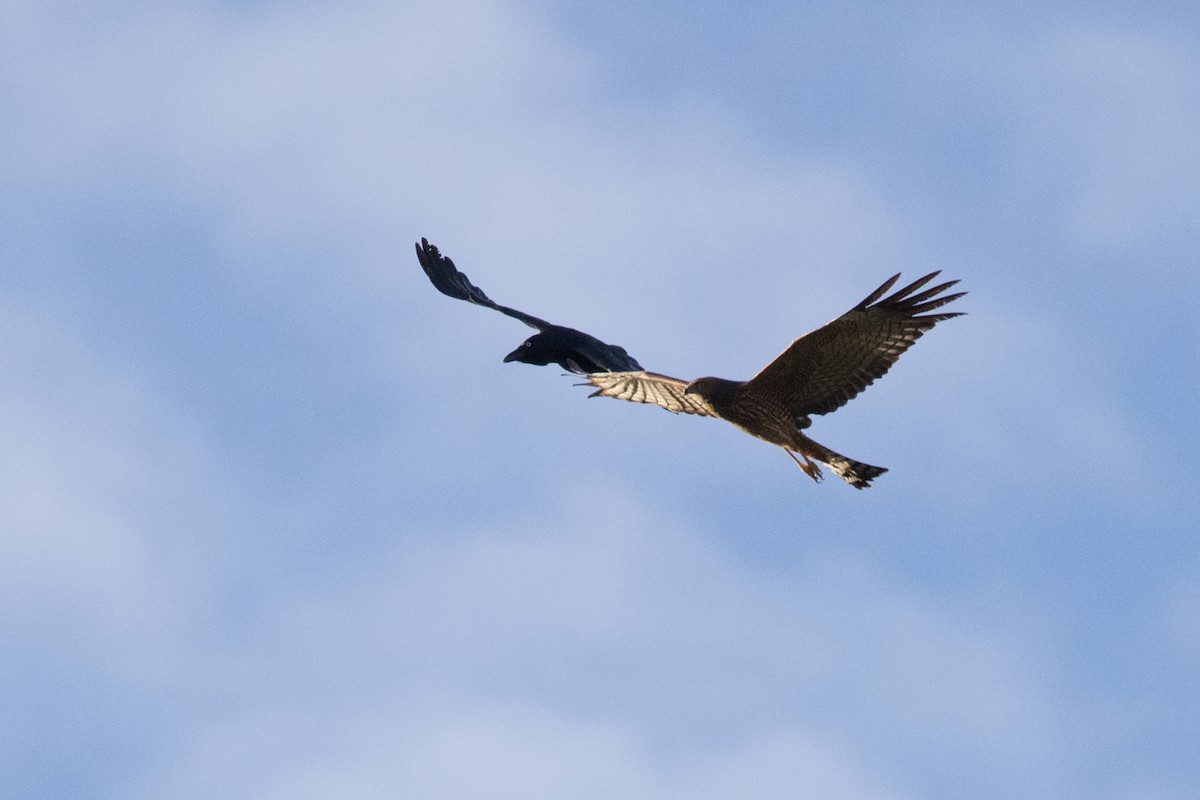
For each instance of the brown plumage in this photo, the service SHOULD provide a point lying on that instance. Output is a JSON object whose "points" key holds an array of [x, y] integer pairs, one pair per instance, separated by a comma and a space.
{"points": [[818, 373]]}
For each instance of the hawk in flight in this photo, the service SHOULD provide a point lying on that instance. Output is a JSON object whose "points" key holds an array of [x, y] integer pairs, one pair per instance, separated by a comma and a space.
{"points": [[574, 351], [818, 373]]}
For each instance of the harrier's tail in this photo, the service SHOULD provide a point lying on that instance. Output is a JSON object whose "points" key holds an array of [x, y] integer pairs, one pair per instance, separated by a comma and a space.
{"points": [[855, 473]]}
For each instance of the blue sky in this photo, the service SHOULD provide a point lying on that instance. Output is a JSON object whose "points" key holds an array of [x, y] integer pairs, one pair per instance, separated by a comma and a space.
{"points": [[276, 521]]}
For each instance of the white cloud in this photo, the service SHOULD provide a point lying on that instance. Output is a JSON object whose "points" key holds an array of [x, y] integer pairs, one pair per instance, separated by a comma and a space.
{"points": [[608, 641], [1086, 130], [509, 751], [1131, 124], [1180, 615], [91, 460], [1032, 400], [575, 652]]}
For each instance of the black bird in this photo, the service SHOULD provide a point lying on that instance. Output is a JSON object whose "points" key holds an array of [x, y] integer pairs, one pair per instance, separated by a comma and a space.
{"points": [[572, 350]]}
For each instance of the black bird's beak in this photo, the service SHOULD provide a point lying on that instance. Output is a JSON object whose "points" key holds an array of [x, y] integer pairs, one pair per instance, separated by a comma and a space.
{"points": [[515, 355]]}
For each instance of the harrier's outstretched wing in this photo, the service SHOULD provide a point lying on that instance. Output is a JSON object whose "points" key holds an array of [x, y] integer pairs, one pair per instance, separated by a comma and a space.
{"points": [[446, 278], [821, 371], [650, 387]]}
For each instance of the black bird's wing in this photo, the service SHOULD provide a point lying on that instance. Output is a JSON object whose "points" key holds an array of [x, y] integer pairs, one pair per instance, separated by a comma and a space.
{"points": [[650, 387], [446, 278], [823, 370], [573, 350]]}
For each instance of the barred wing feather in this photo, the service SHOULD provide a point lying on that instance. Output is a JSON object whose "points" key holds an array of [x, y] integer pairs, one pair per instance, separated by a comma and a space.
{"points": [[649, 387]]}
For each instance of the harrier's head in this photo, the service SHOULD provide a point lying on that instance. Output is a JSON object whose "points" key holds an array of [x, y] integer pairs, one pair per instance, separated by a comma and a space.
{"points": [[717, 391]]}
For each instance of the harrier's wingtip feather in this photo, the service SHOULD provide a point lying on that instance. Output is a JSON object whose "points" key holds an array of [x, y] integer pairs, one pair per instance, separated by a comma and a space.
{"points": [[878, 293], [902, 295], [925, 295], [936, 302]]}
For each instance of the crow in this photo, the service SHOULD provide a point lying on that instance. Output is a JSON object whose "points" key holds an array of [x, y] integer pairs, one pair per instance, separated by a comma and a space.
{"points": [[574, 351]]}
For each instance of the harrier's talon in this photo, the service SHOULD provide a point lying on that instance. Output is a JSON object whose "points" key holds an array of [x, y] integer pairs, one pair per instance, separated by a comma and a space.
{"points": [[807, 466]]}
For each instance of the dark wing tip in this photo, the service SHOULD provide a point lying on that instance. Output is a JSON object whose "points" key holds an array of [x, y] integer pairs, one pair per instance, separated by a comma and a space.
{"points": [[937, 302], [448, 280], [910, 299], [424, 248], [878, 293], [440, 269]]}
